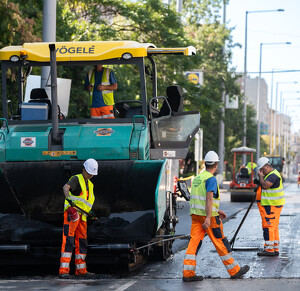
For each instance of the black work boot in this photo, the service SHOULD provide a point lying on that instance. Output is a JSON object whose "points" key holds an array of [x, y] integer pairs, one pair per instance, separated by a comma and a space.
{"points": [[266, 253], [192, 279], [65, 276], [243, 270], [86, 275]]}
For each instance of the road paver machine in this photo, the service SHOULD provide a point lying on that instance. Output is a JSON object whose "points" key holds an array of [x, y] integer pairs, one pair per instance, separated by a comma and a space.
{"points": [[39, 152]]}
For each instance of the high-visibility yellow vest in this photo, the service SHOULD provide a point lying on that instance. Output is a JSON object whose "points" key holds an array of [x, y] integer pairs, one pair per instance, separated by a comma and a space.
{"points": [[248, 166], [198, 196], [108, 96], [273, 196], [82, 201]]}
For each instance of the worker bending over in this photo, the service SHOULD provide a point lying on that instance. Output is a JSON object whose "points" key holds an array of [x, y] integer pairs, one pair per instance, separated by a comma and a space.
{"points": [[79, 189], [270, 205], [206, 218]]}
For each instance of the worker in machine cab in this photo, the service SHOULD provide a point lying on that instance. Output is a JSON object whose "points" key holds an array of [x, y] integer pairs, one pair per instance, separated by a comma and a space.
{"points": [[249, 166], [101, 82], [79, 189], [270, 203], [207, 218]]}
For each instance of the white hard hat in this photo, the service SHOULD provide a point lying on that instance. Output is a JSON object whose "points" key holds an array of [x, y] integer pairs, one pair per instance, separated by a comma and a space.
{"points": [[211, 157], [91, 166], [262, 161]]}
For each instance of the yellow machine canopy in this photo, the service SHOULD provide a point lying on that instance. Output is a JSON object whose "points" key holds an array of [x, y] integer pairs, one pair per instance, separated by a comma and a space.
{"points": [[87, 51]]}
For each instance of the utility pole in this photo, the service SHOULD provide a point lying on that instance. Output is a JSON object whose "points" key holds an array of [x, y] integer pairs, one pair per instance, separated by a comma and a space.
{"points": [[245, 79], [258, 107], [222, 125], [49, 33]]}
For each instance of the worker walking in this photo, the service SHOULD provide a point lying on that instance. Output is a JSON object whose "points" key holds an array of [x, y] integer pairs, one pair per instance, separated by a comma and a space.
{"points": [[79, 190], [101, 82], [206, 218], [270, 204]]}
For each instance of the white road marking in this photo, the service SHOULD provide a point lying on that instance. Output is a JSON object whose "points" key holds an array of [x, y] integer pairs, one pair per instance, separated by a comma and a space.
{"points": [[127, 285]]}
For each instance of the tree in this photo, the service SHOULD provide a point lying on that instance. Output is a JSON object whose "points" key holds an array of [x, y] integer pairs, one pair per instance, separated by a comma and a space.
{"points": [[19, 21], [144, 21], [151, 21], [210, 38]]}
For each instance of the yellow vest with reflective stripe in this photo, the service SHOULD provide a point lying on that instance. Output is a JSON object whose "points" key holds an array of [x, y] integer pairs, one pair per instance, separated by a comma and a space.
{"points": [[274, 196], [248, 166], [198, 196], [108, 96], [81, 200]]}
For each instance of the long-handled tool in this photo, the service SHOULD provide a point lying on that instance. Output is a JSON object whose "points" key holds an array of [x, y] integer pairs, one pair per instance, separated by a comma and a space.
{"points": [[239, 227], [91, 215]]}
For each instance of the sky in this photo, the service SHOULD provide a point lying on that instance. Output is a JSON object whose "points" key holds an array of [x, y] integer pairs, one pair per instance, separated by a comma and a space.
{"points": [[268, 28]]}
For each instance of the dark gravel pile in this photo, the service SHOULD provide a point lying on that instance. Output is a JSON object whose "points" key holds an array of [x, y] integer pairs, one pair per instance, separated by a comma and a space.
{"points": [[14, 221], [112, 224], [106, 228]]}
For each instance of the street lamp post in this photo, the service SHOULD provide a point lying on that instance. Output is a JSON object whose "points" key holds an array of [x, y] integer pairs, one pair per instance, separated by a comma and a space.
{"points": [[271, 113], [273, 116], [258, 96], [288, 138], [275, 119], [282, 119], [245, 72]]}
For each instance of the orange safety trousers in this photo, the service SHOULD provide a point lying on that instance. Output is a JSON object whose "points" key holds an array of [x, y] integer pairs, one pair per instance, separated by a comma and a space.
{"points": [[74, 231], [270, 220], [215, 233], [103, 112]]}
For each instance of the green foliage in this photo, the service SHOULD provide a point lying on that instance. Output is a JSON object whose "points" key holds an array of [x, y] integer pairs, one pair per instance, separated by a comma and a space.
{"points": [[20, 22], [151, 21]]}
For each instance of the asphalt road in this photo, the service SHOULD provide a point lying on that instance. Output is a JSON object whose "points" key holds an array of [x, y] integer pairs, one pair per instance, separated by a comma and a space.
{"points": [[266, 273]]}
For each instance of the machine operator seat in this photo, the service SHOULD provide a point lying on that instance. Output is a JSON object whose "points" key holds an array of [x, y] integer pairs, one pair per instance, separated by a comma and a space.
{"points": [[244, 173], [175, 100], [39, 95]]}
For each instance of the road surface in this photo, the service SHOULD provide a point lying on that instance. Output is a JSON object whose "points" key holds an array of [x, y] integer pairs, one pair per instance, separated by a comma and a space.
{"points": [[266, 273]]}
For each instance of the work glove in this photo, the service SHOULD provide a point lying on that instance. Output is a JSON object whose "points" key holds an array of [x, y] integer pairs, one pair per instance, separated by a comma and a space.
{"points": [[72, 213]]}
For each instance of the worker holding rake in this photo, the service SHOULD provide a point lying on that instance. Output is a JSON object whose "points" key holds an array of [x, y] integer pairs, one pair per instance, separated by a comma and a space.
{"points": [[79, 202]]}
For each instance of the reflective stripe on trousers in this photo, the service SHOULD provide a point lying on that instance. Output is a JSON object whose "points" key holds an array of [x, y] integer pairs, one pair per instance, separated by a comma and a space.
{"points": [[103, 112], [103, 116], [215, 233], [270, 216], [73, 233], [80, 267]]}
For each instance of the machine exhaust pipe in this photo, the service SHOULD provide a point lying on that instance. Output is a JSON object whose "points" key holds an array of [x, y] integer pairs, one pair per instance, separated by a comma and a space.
{"points": [[55, 136], [14, 248]]}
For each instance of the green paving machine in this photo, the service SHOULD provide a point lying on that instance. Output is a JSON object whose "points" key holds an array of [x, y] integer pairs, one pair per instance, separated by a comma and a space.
{"points": [[40, 151]]}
